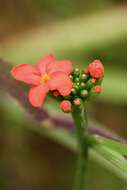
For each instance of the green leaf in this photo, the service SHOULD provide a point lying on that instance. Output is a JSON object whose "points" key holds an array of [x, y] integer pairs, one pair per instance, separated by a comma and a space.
{"points": [[115, 161], [108, 158], [116, 146]]}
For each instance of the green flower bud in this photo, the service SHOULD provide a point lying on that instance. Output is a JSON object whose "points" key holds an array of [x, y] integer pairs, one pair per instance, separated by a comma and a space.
{"points": [[84, 93], [83, 77], [82, 85], [76, 72], [77, 79], [77, 83]]}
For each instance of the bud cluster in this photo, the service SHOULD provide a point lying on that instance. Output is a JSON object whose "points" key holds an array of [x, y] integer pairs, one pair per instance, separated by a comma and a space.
{"points": [[86, 84]]}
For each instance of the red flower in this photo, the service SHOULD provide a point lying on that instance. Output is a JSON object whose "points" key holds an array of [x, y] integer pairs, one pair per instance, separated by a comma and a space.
{"points": [[98, 89], [65, 105], [96, 69], [48, 74]]}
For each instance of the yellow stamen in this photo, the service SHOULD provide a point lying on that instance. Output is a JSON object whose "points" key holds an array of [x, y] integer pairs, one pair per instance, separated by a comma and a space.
{"points": [[44, 78]]}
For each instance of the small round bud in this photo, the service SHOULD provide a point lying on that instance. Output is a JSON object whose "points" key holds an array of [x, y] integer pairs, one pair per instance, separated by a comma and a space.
{"points": [[76, 72], [77, 102], [97, 89], [82, 85], [83, 77], [84, 93], [77, 79], [96, 69], [65, 105], [77, 83]]}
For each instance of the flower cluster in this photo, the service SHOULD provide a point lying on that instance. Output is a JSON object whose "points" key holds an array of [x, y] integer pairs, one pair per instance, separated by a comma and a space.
{"points": [[70, 86], [86, 83]]}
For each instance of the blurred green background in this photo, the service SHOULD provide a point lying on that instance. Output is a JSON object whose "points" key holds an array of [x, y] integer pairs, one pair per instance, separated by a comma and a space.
{"points": [[80, 31]]}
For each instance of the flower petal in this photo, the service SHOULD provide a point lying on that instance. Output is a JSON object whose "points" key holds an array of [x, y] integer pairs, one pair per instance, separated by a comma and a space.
{"points": [[63, 66], [61, 82], [42, 64], [26, 73], [37, 95]]}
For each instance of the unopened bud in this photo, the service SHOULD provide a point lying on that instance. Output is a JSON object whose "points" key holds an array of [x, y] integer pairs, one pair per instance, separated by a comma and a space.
{"points": [[65, 105], [82, 85], [76, 72], [84, 93], [96, 69], [77, 102], [77, 79], [83, 77], [97, 89]]}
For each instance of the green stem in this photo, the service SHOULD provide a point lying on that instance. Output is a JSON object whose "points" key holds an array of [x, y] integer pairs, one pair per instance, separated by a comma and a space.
{"points": [[80, 119]]}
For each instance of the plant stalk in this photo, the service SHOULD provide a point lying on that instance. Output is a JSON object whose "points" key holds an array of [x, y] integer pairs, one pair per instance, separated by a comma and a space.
{"points": [[80, 118]]}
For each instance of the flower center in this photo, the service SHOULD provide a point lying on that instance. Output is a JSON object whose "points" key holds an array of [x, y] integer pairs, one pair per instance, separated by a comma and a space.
{"points": [[44, 78]]}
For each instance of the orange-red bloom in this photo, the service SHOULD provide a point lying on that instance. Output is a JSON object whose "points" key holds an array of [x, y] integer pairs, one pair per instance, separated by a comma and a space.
{"points": [[48, 74], [65, 105], [96, 69]]}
